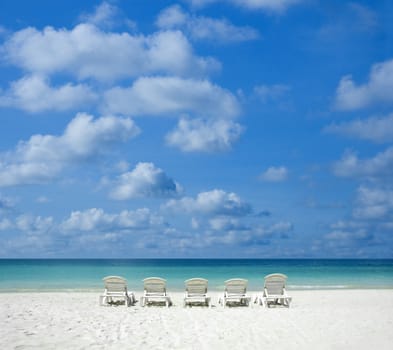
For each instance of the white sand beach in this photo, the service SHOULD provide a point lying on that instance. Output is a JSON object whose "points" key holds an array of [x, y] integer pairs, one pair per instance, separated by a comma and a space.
{"points": [[329, 319]]}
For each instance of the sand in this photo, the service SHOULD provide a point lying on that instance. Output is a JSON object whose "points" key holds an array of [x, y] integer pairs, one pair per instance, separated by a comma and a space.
{"points": [[335, 319]]}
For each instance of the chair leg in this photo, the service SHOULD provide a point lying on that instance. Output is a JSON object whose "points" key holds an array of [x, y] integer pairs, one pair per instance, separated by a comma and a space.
{"points": [[263, 302]]}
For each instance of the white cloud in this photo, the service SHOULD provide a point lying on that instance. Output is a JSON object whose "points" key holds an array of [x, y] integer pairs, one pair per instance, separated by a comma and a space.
{"points": [[373, 203], [122, 166], [280, 227], [339, 235], [86, 136], [34, 224], [88, 52], [349, 240], [274, 92], [171, 96], [34, 94], [172, 17], [220, 222], [274, 174], [5, 224], [197, 135], [370, 224], [350, 96], [204, 28], [366, 18], [271, 5], [267, 5], [98, 220], [336, 29], [379, 166], [94, 227], [226, 224], [347, 231], [237, 234], [200, 3], [107, 15], [3, 30], [346, 225], [42, 199], [145, 180], [6, 203], [215, 202], [12, 174], [374, 129], [42, 157], [103, 15], [194, 223]]}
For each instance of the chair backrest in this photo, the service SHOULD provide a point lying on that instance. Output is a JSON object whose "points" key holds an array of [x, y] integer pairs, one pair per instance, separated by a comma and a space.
{"points": [[275, 283], [115, 284], [154, 285], [236, 286], [196, 286]]}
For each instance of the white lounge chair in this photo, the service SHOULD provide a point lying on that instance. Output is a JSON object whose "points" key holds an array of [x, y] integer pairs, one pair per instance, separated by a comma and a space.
{"points": [[235, 291], [116, 288], [154, 290], [274, 291], [196, 292]]}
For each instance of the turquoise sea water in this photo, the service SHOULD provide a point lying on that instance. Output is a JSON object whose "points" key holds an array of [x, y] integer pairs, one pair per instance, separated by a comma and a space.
{"points": [[87, 274]]}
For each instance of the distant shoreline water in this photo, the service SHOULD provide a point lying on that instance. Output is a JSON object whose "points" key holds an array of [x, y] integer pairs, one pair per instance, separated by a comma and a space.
{"points": [[45, 275]]}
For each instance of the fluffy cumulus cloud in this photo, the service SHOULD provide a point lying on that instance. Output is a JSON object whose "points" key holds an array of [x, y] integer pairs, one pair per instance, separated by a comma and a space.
{"points": [[204, 28], [379, 166], [145, 180], [373, 203], [90, 230], [266, 5], [197, 135], [34, 224], [171, 96], [231, 232], [344, 236], [375, 129], [370, 225], [31, 235], [274, 174], [42, 157], [215, 202], [34, 94], [88, 52], [349, 239], [168, 78], [223, 223], [350, 96], [132, 230], [98, 220], [104, 15]]}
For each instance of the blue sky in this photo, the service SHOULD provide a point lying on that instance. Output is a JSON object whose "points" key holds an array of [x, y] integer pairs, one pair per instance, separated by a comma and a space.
{"points": [[197, 128]]}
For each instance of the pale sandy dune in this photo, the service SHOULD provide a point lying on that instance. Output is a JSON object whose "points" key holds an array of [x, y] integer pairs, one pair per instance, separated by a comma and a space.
{"points": [[338, 319]]}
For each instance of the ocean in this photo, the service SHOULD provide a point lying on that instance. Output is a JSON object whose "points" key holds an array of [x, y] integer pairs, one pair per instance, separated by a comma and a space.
{"points": [[22, 275]]}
